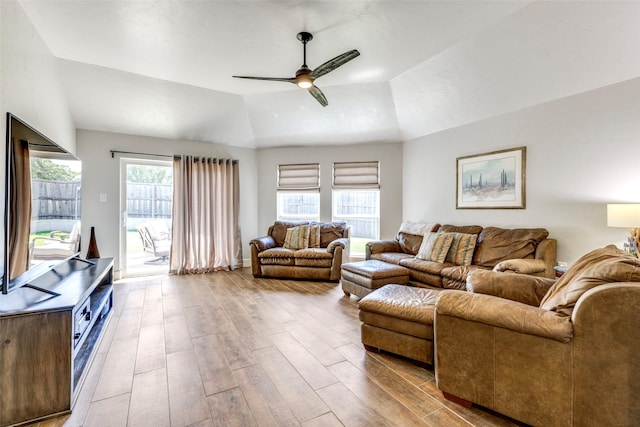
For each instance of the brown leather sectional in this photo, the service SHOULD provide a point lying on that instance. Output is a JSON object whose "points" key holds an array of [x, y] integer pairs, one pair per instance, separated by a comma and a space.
{"points": [[547, 353], [270, 259], [521, 250]]}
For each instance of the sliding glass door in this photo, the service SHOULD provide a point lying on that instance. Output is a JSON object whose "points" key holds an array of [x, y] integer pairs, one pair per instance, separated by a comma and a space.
{"points": [[146, 202]]}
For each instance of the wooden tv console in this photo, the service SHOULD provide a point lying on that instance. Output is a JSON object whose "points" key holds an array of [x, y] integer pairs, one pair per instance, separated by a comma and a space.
{"points": [[50, 329]]}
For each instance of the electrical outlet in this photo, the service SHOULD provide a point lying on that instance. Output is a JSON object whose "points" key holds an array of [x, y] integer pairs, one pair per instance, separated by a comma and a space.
{"points": [[562, 264]]}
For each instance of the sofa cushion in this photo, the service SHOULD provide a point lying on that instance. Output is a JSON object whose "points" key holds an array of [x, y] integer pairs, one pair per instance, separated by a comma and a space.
{"points": [[418, 228], [330, 231], [467, 229], [279, 230], [435, 246], [410, 235], [313, 257], [432, 267], [297, 237], [314, 236], [409, 243], [598, 267], [459, 273], [498, 244], [392, 257], [277, 256], [462, 247], [313, 253]]}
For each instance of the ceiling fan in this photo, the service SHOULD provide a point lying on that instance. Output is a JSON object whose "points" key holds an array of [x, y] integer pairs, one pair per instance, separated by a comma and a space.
{"points": [[305, 77]]}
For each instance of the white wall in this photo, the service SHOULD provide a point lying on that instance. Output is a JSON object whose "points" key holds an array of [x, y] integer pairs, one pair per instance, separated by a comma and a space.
{"points": [[544, 51], [101, 174], [389, 155], [29, 84], [358, 113], [582, 153], [105, 99]]}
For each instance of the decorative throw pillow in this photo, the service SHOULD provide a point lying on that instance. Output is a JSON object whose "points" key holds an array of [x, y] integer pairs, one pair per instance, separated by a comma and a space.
{"points": [[297, 237], [314, 236], [462, 247], [428, 240], [435, 246]]}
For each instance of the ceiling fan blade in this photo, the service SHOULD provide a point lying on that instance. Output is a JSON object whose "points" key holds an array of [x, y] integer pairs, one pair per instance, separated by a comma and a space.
{"points": [[271, 79], [334, 63], [318, 95]]}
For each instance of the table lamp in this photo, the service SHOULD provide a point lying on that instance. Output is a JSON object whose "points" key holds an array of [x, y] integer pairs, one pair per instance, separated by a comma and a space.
{"points": [[626, 215]]}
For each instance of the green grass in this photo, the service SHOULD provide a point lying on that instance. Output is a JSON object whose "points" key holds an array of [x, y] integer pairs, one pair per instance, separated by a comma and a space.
{"points": [[358, 244], [45, 234], [134, 242]]}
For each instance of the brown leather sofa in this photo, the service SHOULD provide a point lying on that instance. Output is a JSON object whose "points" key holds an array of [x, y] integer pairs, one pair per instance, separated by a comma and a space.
{"points": [[521, 250], [546, 353], [269, 257]]}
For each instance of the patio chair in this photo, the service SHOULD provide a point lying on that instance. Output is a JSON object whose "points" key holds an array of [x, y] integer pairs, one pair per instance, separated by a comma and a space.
{"points": [[156, 239], [57, 246]]}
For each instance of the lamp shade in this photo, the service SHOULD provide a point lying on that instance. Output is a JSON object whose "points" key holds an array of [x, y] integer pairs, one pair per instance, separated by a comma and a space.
{"points": [[625, 215]]}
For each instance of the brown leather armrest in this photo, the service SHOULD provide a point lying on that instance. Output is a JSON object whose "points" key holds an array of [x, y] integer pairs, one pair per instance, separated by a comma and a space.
{"points": [[503, 313], [516, 287], [262, 243], [379, 246], [342, 242], [523, 266]]}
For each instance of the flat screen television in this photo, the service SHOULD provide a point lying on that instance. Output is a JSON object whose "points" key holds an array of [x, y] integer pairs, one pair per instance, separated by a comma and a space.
{"points": [[42, 204]]}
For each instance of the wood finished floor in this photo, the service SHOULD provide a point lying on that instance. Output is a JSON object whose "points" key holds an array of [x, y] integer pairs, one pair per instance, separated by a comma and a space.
{"points": [[225, 349]]}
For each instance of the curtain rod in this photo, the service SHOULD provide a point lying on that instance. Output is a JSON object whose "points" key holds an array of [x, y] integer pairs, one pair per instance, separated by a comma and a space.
{"points": [[174, 156], [113, 152], [198, 158]]}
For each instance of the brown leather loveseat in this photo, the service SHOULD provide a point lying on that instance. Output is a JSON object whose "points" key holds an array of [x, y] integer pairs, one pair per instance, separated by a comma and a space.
{"points": [[318, 255], [547, 353], [521, 250]]}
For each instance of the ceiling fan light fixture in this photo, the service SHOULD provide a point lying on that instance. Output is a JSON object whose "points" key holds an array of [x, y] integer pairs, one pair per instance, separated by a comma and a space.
{"points": [[304, 81]]}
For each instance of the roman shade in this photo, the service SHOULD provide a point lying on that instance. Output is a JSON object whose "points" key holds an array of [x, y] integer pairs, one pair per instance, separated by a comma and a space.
{"points": [[299, 177], [356, 175]]}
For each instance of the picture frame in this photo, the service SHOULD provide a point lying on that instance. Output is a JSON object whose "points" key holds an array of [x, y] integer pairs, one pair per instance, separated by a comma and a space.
{"points": [[494, 180]]}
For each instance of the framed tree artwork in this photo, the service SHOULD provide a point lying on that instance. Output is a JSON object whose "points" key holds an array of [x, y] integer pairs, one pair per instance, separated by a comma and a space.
{"points": [[494, 180]]}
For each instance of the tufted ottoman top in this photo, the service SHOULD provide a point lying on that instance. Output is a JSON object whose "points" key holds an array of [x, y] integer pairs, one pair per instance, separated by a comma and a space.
{"points": [[375, 269], [402, 302]]}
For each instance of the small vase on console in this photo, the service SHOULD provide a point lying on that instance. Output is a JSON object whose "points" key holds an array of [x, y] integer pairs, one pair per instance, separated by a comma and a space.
{"points": [[92, 251]]}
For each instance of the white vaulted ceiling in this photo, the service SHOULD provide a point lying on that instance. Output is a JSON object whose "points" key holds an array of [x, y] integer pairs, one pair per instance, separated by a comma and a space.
{"points": [[163, 68]]}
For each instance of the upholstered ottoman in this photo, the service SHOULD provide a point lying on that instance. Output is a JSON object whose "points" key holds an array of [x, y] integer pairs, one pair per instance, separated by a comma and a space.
{"points": [[399, 319], [360, 278]]}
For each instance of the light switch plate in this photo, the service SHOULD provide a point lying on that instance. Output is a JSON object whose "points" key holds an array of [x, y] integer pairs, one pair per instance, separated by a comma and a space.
{"points": [[103, 197]]}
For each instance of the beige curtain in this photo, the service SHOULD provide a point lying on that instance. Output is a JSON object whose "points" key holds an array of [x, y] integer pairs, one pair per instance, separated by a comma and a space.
{"points": [[206, 230], [20, 208]]}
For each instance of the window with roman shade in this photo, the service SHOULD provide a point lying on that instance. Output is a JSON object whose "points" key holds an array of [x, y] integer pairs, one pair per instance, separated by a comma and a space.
{"points": [[305, 177], [299, 192], [356, 200], [356, 175]]}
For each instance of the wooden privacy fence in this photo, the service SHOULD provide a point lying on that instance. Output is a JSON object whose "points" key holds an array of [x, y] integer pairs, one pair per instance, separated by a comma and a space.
{"points": [[62, 200], [149, 200], [55, 200]]}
